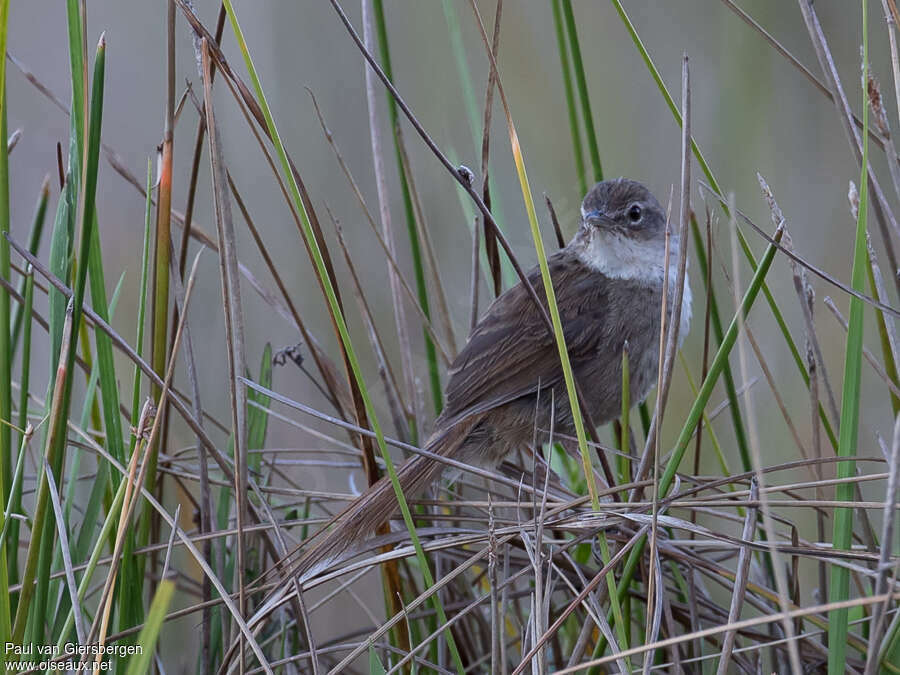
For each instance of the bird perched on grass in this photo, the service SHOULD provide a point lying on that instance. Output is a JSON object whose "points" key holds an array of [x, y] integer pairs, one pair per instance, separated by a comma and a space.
{"points": [[608, 283]]}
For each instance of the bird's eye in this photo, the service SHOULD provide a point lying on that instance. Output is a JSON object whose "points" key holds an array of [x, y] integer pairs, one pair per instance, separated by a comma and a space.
{"points": [[635, 213]]}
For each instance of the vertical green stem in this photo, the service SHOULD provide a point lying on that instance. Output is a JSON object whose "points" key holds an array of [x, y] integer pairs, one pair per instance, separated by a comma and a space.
{"points": [[142, 305], [570, 97], [624, 445], [581, 82], [34, 241], [15, 498], [849, 426]]}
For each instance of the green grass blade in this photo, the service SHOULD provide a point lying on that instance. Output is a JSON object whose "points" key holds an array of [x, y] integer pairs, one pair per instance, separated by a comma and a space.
{"points": [[258, 415], [60, 264], [61, 243], [34, 242], [341, 325], [109, 388], [78, 76], [577, 151], [625, 420], [140, 663], [130, 590], [890, 366], [15, 492], [620, 621], [142, 303], [557, 325], [581, 81], [890, 647], [839, 588], [375, 666]]}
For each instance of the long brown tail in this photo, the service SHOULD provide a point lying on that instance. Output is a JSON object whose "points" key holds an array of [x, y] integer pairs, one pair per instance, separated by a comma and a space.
{"points": [[372, 509]]}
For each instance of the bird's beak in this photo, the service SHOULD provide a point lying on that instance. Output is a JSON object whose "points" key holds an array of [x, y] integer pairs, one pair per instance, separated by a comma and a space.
{"points": [[598, 219]]}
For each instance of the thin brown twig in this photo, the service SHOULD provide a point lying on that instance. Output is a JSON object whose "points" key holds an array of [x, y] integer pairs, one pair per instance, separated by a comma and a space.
{"points": [[740, 584], [560, 239], [490, 240], [794, 61], [198, 151], [205, 506]]}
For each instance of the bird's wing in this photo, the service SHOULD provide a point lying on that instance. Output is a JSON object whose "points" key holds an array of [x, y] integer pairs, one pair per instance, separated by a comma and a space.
{"points": [[510, 350]]}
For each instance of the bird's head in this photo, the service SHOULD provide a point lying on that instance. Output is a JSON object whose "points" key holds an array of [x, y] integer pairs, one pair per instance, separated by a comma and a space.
{"points": [[623, 231]]}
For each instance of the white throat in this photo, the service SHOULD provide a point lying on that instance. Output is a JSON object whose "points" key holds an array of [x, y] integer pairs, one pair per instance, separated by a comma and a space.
{"points": [[619, 257]]}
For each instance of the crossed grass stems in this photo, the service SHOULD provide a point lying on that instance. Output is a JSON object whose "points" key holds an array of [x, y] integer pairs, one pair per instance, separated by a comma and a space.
{"points": [[507, 565]]}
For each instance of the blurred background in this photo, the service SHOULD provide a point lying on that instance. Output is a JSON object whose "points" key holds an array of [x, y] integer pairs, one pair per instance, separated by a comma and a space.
{"points": [[752, 112]]}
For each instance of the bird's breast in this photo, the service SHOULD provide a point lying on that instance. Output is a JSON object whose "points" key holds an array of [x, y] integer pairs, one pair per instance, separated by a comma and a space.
{"points": [[631, 325]]}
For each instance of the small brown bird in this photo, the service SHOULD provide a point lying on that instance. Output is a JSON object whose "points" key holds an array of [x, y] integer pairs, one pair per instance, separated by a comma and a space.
{"points": [[608, 282]]}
